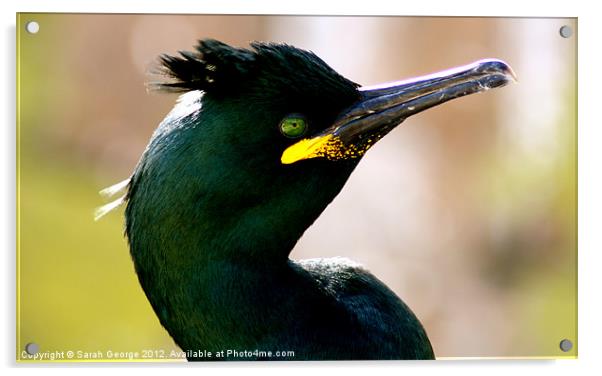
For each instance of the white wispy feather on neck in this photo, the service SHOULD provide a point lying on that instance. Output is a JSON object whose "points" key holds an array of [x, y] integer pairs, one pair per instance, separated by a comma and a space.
{"points": [[110, 192]]}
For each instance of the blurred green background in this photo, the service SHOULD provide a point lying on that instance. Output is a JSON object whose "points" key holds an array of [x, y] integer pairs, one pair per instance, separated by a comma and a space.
{"points": [[468, 211]]}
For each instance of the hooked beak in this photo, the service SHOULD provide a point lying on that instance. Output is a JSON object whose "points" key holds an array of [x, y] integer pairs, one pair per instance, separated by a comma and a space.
{"points": [[382, 108]]}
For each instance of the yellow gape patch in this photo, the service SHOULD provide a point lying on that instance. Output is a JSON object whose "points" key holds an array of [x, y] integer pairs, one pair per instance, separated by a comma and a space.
{"points": [[328, 146]]}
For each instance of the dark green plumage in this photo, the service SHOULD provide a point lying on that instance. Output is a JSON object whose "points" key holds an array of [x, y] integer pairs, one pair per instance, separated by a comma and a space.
{"points": [[212, 214]]}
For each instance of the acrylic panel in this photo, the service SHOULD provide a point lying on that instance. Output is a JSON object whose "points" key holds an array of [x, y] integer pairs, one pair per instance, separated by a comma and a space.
{"points": [[466, 211]]}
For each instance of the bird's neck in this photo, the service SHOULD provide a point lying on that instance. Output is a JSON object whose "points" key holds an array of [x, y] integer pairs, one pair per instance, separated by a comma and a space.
{"points": [[198, 267], [207, 296]]}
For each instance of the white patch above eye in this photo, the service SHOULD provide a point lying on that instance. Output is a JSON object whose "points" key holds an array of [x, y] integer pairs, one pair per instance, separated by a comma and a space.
{"points": [[186, 104]]}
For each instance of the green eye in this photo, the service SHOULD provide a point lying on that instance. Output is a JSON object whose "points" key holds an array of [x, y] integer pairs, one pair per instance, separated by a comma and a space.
{"points": [[293, 126]]}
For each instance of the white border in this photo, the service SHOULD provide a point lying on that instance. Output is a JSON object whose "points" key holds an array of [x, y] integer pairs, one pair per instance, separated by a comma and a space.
{"points": [[590, 187]]}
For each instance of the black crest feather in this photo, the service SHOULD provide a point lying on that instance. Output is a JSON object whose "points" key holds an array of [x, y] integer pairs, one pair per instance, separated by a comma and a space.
{"points": [[212, 65]]}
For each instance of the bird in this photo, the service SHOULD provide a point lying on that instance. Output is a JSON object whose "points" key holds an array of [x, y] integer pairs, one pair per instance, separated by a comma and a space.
{"points": [[259, 143]]}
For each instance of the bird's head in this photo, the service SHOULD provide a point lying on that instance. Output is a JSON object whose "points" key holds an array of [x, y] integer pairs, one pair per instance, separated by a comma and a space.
{"points": [[268, 136]]}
